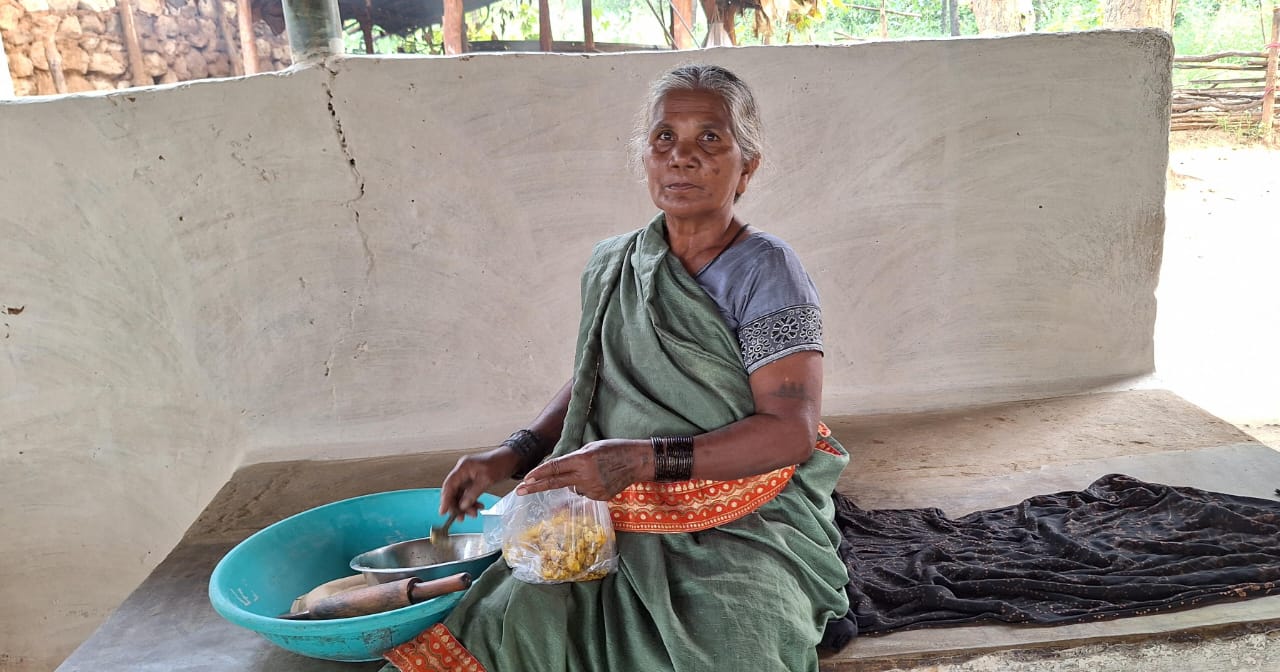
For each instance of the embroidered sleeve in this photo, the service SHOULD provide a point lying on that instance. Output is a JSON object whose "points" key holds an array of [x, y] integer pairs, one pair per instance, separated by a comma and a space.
{"points": [[781, 333]]}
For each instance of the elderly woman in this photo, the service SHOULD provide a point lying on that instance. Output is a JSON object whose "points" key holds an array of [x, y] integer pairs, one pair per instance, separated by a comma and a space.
{"points": [[694, 411]]}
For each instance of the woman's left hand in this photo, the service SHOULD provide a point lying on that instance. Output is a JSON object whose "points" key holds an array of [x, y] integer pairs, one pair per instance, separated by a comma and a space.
{"points": [[598, 470]]}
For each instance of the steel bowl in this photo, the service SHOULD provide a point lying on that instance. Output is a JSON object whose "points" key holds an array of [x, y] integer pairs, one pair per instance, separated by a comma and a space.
{"points": [[425, 560]]}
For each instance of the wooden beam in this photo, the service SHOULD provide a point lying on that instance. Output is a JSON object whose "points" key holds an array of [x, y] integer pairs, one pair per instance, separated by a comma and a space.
{"points": [[544, 25], [1269, 96], [137, 71], [1203, 58], [588, 29], [451, 26], [682, 24], [248, 41]]}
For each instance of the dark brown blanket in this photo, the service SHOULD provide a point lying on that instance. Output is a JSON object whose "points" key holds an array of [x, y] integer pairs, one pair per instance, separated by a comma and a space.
{"points": [[1121, 547]]}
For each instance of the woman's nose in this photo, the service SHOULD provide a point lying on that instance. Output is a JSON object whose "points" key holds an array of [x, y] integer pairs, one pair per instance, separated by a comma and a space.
{"points": [[684, 152]]}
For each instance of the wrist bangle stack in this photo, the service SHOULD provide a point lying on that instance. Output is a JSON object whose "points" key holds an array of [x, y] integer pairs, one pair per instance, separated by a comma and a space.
{"points": [[672, 458], [529, 448]]}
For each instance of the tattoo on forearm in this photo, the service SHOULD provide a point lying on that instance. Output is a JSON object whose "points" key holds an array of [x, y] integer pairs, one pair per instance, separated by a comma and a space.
{"points": [[792, 390], [615, 470]]}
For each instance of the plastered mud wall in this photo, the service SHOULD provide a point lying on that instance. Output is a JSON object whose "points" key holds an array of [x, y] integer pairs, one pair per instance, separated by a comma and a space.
{"points": [[382, 256]]}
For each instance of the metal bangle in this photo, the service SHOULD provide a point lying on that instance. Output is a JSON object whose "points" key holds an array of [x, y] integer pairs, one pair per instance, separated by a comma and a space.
{"points": [[529, 448], [672, 458]]}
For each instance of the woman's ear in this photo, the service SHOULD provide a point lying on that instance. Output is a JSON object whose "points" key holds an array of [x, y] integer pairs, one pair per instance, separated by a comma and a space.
{"points": [[748, 169]]}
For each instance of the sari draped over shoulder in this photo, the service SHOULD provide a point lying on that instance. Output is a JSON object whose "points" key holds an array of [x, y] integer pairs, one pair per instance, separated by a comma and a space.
{"points": [[709, 571]]}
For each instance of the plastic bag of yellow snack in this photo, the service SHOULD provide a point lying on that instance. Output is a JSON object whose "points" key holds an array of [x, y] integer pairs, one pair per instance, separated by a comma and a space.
{"points": [[557, 536]]}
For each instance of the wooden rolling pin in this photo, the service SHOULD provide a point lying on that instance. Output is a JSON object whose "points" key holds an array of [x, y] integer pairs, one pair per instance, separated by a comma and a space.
{"points": [[382, 597]]}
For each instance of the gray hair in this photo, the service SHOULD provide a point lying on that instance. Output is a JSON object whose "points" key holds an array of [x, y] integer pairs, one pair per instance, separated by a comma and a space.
{"points": [[744, 116]]}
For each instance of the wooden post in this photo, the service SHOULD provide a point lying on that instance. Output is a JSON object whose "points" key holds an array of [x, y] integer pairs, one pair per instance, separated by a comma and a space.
{"points": [[730, 16], [588, 30], [1269, 94], [137, 71], [248, 41], [54, 57], [884, 21], [682, 24], [544, 25], [451, 26], [366, 26], [224, 31], [953, 9]]}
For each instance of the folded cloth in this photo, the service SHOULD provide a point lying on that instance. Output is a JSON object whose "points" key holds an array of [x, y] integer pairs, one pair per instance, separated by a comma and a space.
{"points": [[1120, 547]]}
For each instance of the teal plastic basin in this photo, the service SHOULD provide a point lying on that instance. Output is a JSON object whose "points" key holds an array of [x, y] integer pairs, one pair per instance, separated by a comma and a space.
{"points": [[260, 578]]}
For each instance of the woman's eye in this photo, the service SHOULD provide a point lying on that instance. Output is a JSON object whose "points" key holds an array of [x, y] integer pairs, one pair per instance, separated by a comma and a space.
{"points": [[710, 136], [664, 136]]}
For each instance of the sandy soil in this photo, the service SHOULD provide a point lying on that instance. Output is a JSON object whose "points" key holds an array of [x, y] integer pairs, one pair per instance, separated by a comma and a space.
{"points": [[1218, 324]]}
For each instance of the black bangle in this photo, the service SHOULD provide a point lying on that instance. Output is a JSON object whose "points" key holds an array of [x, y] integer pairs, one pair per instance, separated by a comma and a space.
{"points": [[672, 458], [528, 447]]}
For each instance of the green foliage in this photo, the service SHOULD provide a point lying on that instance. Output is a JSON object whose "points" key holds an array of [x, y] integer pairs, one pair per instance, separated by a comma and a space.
{"points": [[1210, 26], [1057, 16], [1201, 26]]}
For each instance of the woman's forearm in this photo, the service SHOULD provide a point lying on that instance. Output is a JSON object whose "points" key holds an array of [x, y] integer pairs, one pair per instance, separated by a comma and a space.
{"points": [[550, 422], [756, 444]]}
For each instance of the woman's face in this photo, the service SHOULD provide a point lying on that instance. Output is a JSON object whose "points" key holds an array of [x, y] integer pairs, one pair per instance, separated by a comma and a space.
{"points": [[692, 161]]}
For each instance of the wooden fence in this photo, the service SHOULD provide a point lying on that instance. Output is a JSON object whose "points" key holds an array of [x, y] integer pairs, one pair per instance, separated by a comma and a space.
{"points": [[1237, 87]]}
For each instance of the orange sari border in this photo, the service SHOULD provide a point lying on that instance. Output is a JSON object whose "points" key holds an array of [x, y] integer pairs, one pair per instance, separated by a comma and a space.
{"points": [[434, 650], [693, 506]]}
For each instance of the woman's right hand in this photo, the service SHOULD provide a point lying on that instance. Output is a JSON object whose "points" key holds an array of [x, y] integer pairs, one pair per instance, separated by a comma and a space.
{"points": [[471, 476]]}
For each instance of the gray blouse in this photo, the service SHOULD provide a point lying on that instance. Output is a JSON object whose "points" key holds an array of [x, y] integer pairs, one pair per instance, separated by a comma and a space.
{"points": [[766, 297]]}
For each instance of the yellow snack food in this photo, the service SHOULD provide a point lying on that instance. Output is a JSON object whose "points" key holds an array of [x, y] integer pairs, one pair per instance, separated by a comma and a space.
{"points": [[563, 547]]}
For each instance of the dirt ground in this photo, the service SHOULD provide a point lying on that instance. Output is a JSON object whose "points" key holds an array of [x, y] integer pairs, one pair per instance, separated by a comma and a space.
{"points": [[1218, 320]]}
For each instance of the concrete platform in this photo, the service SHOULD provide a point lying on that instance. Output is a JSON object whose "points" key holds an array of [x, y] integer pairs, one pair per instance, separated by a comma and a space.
{"points": [[960, 461]]}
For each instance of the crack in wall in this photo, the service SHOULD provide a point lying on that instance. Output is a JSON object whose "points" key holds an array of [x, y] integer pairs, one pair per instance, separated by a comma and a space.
{"points": [[351, 204]]}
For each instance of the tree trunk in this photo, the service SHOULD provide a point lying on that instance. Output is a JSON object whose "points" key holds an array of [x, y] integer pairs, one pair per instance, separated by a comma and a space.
{"points": [[682, 24], [1138, 14], [544, 24], [1003, 16], [588, 30], [451, 26]]}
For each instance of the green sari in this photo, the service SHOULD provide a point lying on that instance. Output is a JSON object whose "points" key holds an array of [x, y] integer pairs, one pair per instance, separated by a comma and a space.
{"points": [[654, 357]]}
